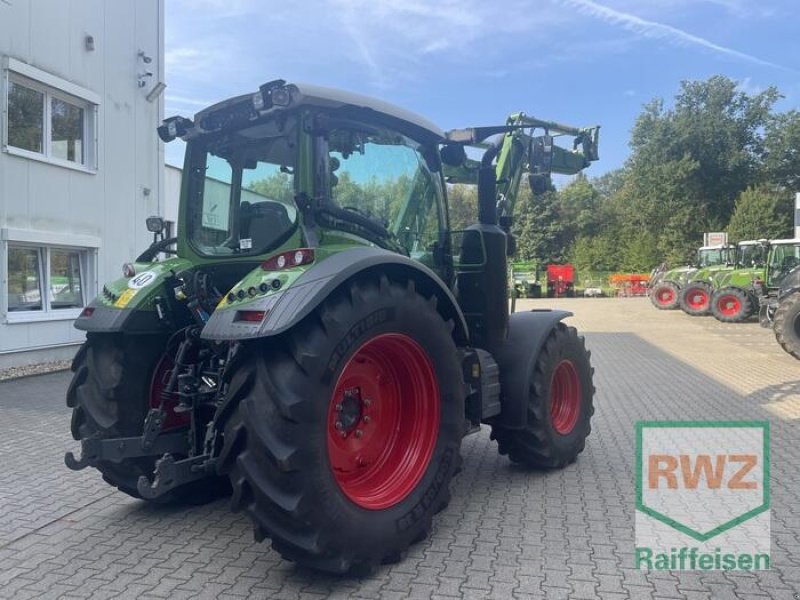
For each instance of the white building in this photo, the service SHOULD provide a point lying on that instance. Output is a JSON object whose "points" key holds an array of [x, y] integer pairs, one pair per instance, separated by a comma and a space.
{"points": [[81, 166]]}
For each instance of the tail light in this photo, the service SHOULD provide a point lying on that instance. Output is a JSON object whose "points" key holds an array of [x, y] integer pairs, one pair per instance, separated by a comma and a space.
{"points": [[249, 316], [288, 260]]}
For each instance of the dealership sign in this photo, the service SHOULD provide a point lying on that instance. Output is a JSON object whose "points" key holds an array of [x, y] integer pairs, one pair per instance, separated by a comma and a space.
{"points": [[702, 495]]}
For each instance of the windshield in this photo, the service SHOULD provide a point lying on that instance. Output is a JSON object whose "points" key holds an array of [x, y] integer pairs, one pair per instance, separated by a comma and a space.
{"points": [[381, 175], [783, 259], [241, 190], [708, 258], [752, 255]]}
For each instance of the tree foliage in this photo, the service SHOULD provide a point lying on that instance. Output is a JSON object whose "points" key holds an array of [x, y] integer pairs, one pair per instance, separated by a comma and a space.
{"points": [[760, 213]]}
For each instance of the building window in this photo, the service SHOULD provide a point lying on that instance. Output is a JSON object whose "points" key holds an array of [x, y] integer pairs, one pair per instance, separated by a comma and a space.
{"points": [[47, 281], [48, 122]]}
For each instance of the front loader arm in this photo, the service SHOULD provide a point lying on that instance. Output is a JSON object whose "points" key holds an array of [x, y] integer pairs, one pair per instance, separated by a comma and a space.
{"points": [[521, 152]]}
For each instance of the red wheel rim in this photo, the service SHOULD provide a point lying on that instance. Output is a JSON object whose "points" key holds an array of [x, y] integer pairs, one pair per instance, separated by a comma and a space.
{"points": [[665, 296], [729, 305], [697, 299], [565, 397], [157, 385], [383, 421]]}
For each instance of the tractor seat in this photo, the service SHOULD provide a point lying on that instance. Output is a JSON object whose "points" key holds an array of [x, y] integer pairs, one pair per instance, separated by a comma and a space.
{"points": [[263, 222]]}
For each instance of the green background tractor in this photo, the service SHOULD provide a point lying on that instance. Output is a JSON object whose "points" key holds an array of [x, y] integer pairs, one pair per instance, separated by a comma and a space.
{"points": [[779, 294], [733, 299], [665, 284], [320, 341], [695, 296]]}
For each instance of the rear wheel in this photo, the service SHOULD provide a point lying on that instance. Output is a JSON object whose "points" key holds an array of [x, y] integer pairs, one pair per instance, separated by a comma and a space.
{"points": [[695, 299], [116, 380], [786, 324], [560, 405], [348, 431], [731, 305], [664, 296]]}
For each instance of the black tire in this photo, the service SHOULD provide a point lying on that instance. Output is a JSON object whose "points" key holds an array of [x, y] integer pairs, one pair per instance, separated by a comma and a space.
{"points": [[690, 296], [276, 443], [541, 444], [109, 398], [731, 305], [786, 324], [665, 295]]}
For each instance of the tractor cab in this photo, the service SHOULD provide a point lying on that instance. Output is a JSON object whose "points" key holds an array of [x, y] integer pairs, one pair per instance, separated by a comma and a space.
{"points": [[784, 256], [752, 254], [710, 256]]}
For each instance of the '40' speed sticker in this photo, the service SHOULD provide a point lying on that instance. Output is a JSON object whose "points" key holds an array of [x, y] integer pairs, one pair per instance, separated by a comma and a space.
{"points": [[142, 280]]}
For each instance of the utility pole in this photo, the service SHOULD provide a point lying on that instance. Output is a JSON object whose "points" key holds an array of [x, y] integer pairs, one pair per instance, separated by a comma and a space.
{"points": [[797, 215]]}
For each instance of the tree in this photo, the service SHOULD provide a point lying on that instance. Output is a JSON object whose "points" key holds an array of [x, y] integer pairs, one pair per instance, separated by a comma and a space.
{"points": [[761, 213], [782, 143], [716, 126]]}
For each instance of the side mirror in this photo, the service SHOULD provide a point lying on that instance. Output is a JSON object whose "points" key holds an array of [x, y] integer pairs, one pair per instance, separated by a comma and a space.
{"points": [[155, 224], [453, 155]]}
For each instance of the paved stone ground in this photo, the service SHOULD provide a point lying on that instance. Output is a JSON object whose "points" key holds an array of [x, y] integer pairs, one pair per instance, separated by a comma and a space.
{"points": [[508, 533]]}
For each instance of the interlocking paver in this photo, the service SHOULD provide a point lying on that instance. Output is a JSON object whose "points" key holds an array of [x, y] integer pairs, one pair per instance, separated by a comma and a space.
{"points": [[508, 533]]}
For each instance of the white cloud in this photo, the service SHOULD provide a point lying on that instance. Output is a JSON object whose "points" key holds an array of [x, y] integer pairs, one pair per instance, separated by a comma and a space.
{"points": [[660, 31]]}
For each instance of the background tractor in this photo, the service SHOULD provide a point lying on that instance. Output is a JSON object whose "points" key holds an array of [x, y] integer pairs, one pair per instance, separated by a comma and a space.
{"points": [[525, 279], [779, 294], [665, 284], [321, 341], [695, 296], [734, 299]]}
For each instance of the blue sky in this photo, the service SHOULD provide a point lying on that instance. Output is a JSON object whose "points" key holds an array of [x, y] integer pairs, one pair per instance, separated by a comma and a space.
{"points": [[472, 62]]}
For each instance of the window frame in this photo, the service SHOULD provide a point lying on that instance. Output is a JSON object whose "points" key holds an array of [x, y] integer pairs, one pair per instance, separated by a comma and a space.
{"points": [[51, 87], [86, 246]]}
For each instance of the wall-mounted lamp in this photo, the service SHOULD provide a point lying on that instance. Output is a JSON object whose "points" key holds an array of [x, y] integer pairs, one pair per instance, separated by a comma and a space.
{"points": [[144, 58], [157, 90]]}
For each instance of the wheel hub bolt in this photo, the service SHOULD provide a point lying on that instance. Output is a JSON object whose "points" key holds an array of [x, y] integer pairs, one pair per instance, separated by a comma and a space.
{"points": [[367, 402], [366, 419], [338, 425], [339, 407], [359, 433]]}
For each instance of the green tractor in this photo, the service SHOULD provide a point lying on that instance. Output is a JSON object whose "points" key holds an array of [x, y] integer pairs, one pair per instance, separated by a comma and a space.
{"points": [[526, 280], [733, 299], [779, 294], [695, 296], [664, 286], [317, 340]]}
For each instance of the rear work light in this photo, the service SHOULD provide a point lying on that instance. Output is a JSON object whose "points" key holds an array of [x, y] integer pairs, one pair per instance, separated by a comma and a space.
{"points": [[249, 316], [288, 260]]}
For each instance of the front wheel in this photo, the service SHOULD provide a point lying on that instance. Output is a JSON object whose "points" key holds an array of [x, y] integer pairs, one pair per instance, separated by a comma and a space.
{"points": [[787, 324], [731, 305], [348, 431], [695, 299], [560, 405], [664, 295]]}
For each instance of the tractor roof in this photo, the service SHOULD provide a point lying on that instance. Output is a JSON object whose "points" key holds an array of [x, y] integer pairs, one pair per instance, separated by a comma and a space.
{"points": [[753, 242], [785, 242], [716, 247], [303, 94]]}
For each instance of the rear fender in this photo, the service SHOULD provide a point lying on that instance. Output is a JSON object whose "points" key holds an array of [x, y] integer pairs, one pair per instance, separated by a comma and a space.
{"points": [[292, 304], [527, 332]]}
